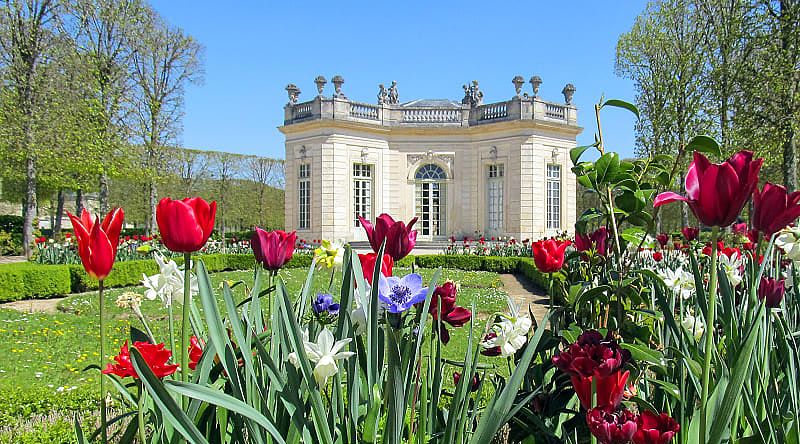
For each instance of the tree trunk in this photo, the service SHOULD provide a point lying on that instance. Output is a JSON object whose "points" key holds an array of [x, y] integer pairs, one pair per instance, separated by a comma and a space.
{"points": [[78, 202], [153, 224], [29, 210], [684, 209], [59, 214], [103, 193], [790, 161]]}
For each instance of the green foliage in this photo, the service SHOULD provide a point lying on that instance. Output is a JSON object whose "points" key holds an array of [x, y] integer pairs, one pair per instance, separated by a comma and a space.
{"points": [[11, 224], [25, 280], [9, 244]]}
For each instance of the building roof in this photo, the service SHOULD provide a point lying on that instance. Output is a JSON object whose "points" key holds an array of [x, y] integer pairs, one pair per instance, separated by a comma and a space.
{"points": [[431, 103]]}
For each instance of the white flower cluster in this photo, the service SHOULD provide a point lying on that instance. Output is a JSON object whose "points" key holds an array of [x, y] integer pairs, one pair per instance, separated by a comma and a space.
{"points": [[168, 284], [323, 354]]}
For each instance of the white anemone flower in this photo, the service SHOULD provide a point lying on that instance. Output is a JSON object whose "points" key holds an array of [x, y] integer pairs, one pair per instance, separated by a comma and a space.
{"points": [[789, 241], [167, 285], [324, 353]]}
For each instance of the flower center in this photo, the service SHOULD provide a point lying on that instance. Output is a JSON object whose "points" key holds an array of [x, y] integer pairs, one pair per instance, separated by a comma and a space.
{"points": [[400, 294]]}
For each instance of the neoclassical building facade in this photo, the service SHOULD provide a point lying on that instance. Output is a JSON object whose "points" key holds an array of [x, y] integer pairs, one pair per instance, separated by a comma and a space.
{"points": [[463, 168]]}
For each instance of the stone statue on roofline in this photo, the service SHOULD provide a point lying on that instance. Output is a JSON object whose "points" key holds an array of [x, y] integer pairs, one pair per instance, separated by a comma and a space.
{"points": [[394, 96], [382, 95], [473, 96]]}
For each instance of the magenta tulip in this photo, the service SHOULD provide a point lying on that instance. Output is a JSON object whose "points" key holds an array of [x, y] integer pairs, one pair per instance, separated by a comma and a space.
{"points": [[716, 193], [273, 249], [610, 426], [400, 238], [771, 291], [655, 429], [774, 208], [185, 225]]}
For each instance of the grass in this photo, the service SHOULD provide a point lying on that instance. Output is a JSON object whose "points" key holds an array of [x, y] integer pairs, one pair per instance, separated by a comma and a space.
{"points": [[44, 356]]}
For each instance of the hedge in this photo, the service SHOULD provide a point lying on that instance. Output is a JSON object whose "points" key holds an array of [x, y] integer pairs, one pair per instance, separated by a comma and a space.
{"points": [[27, 280]]}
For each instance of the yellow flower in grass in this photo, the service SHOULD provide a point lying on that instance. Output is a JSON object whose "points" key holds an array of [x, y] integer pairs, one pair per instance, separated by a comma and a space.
{"points": [[330, 254]]}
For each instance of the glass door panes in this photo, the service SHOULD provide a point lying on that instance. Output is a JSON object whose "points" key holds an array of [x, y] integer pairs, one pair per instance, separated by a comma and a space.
{"points": [[430, 208], [495, 198], [362, 192]]}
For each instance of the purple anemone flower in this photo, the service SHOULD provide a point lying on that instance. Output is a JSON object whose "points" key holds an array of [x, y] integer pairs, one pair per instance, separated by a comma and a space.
{"points": [[400, 294], [324, 304]]}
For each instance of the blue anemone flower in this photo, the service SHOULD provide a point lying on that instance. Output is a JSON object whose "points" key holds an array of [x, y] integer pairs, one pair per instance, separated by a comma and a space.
{"points": [[400, 294], [324, 304]]}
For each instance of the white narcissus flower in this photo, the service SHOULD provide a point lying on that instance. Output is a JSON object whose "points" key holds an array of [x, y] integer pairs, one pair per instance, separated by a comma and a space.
{"points": [[168, 284], [694, 325], [731, 265], [678, 281], [324, 353], [789, 241], [511, 335]]}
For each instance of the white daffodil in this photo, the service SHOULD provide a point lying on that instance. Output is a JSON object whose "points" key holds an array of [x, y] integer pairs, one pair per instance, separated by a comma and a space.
{"points": [[694, 325], [679, 281], [359, 319], [789, 241], [510, 335], [293, 356], [732, 265], [324, 353], [167, 285]]}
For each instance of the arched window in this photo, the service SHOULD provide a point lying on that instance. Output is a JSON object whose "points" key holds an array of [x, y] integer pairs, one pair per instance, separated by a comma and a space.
{"points": [[430, 172]]}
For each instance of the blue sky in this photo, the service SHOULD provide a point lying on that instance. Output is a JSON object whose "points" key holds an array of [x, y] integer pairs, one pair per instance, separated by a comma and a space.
{"points": [[254, 48]]}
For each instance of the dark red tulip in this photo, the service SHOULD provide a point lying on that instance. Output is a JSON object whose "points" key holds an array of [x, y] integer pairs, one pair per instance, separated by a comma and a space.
{"points": [[610, 426], [368, 265], [155, 355], [716, 193], [658, 256], [400, 238], [98, 242], [690, 233], [593, 356], [597, 241], [273, 249], [451, 313], [476, 381], [185, 225], [774, 208], [494, 351], [548, 255], [771, 291], [662, 239], [655, 429], [195, 352]]}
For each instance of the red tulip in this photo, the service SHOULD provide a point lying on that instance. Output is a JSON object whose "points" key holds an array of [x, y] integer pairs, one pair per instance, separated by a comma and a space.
{"points": [[655, 429], [476, 381], [658, 256], [593, 356], [400, 238], [185, 225], [195, 352], [716, 193], [597, 241], [368, 265], [549, 254], [662, 239], [690, 233], [98, 242], [610, 426], [451, 313], [155, 355], [771, 291], [774, 208], [273, 249]]}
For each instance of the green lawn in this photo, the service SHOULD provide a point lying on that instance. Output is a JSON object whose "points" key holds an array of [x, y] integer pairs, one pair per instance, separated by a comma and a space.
{"points": [[43, 356]]}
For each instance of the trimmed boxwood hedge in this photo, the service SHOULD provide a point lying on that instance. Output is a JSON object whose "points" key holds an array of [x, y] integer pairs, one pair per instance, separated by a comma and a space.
{"points": [[28, 280]]}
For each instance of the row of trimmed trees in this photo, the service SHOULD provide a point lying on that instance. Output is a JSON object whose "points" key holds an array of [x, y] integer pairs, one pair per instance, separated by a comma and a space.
{"points": [[728, 68], [82, 82]]}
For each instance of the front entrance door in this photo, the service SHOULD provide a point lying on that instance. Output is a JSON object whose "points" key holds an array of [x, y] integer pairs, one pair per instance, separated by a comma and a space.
{"points": [[430, 205]]}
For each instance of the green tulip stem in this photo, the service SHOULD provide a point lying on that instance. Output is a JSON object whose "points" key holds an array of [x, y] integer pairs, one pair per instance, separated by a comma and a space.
{"points": [[171, 323], [709, 346], [593, 404], [103, 419], [185, 321], [552, 298]]}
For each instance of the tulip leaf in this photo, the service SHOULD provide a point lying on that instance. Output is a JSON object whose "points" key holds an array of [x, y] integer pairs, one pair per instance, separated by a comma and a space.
{"points": [[622, 104], [576, 153], [704, 144]]}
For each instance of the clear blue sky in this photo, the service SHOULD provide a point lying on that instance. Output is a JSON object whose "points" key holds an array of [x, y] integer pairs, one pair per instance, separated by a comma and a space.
{"points": [[254, 48]]}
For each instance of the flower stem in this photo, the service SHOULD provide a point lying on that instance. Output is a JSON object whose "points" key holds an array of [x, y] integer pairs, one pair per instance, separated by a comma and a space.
{"points": [[709, 345], [594, 403], [171, 326], [187, 287], [103, 420]]}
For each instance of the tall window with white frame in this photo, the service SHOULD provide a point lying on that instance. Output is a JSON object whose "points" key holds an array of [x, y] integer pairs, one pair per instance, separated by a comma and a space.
{"points": [[553, 197], [304, 197], [362, 192], [494, 205]]}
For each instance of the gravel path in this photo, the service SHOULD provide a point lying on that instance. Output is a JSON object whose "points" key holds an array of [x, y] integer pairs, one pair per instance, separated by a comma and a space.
{"points": [[49, 306], [526, 295]]}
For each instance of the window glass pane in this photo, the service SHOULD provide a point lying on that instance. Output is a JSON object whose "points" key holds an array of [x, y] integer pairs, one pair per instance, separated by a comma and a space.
{"points": [[362, 192], [494, 205], [553, 197]]}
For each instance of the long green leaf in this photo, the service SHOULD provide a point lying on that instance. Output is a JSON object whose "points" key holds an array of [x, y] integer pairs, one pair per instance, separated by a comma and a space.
{"points": [[622, 104]]}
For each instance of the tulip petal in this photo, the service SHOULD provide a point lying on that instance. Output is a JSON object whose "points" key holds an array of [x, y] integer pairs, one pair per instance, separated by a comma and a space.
{"points": [[668, 197]]}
